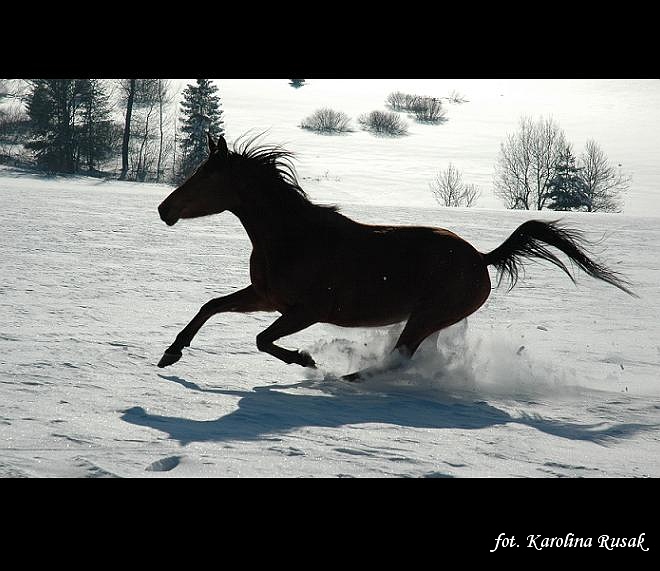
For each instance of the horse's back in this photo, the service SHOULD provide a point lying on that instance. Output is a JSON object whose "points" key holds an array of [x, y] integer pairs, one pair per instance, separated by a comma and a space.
{"points": [[375, 275]]}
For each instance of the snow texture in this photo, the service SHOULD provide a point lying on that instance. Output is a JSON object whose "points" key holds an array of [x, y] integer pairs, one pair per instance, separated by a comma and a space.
{"points": [[550, 379]]}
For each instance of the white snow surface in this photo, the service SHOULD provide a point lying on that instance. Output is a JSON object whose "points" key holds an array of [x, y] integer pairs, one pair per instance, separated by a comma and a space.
{"points": [[547, 380]]}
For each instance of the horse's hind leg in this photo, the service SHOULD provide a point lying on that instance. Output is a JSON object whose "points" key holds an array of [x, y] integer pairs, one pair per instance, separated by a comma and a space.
{"points": [[436, 312], [449, 305], [419, 327], [242, 301]]}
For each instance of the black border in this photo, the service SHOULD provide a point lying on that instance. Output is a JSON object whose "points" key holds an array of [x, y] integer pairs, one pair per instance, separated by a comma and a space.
{"points": [[335, 41], [352, 522]]}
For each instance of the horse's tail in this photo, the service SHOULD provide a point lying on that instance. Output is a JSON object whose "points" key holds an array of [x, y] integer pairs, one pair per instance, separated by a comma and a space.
{"points": [[528, 242]]}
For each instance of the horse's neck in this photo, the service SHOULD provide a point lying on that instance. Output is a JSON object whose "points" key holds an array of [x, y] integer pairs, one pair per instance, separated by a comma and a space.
{"points": [[270, 228]]}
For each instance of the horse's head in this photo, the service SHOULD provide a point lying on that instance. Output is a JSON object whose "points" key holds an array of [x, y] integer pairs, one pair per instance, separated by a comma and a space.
{"points": [[207, 191]]}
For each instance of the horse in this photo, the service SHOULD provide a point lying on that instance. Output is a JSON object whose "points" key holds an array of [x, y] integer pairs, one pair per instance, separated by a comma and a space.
{"points": [[312, 264]]}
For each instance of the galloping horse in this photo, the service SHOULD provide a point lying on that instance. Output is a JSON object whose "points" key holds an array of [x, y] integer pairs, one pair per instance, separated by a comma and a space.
{"points": [[314, 265]]}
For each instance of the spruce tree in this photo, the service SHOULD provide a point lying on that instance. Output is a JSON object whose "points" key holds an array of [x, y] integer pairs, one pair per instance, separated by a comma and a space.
{"points": [[53, 109], [566, 190], [201, 113]]}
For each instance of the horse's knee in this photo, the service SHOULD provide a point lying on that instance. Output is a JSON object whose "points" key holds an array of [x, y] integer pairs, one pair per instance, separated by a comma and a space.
{"points": [[263, 342]]}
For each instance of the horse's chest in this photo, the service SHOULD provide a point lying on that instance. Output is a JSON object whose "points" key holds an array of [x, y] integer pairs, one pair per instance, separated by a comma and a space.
{"points": [[279, 281]]}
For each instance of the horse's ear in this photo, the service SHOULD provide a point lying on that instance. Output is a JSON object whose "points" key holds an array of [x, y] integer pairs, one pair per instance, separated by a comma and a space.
{"points": [[222, 146], [212, 145]]}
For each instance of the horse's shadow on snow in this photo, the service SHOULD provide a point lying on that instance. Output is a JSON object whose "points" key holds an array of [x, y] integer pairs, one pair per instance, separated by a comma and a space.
{"points": [[265, 412]]}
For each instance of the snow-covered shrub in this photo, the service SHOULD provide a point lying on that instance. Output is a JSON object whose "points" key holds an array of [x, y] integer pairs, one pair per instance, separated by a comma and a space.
{"points": [[428, 110], [456, 97], [327, 121], [383, 123], [425, 109]]}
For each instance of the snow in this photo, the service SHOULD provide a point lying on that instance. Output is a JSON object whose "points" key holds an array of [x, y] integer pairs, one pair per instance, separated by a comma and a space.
{"points": [[550, 379]]}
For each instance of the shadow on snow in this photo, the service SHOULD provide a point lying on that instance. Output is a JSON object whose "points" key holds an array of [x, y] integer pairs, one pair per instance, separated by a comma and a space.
{"points": [[267, 411]]}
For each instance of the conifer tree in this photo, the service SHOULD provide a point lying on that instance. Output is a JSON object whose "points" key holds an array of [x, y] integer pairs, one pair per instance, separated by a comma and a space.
{"points": [[201, 113], [53, 109], [566, 190]]}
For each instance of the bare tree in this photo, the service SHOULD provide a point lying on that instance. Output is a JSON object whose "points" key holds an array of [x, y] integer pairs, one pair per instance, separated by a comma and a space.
{"points": [[148, 129], [17, 89], [165, 98], [526, 164], [603, 184], [449, 189], [14, 121], [129, 88], [14, 130], [143, 133], [471, 193]]}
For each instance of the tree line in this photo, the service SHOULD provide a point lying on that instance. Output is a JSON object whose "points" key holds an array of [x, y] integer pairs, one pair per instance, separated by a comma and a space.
{"points": [[130, 128], [537, 169]]}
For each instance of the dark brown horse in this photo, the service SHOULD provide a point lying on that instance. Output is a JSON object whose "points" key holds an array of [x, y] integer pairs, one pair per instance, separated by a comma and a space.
{"points": [[314, 265]]}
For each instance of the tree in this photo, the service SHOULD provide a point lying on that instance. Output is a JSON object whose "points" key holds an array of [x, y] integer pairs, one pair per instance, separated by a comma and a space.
{"points": [[603, 185], [201, 114], [17, 89], [449, 189], [147, 144], [526, 164], [143, 131], [566, 190], [98, 133], [14, 122], [129, 86], [53, 106], [165, 98]]}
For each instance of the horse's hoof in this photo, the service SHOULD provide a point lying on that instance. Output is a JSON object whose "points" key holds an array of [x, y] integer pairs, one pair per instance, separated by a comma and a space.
{"points": [[305, 360], [169, 359], [353, 378]]}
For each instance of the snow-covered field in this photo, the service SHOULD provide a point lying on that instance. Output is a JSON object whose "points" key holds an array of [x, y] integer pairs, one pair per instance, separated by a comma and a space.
{"points": [[546, 380]]}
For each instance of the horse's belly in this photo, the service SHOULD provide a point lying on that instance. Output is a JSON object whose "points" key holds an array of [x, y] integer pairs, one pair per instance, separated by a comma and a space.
{"points": [[369, 307], [366, 321]]}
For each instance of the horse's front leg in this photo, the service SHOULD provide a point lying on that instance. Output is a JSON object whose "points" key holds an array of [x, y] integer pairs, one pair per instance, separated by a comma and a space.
{"points": [[243, 301], [292, 321]]}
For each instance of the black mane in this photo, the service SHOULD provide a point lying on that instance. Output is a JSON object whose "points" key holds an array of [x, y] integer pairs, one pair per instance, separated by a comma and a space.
{"points": [[273, 165]]}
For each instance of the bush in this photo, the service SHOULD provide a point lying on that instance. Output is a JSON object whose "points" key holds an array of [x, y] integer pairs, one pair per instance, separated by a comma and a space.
{"points": [[327, 121], [398, 101], [456, 97], [425, 109], [428, 110], [450, 190], [383, 123]]}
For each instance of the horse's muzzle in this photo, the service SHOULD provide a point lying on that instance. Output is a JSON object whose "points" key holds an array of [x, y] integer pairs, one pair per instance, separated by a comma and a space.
{"points": [[166, 216]]}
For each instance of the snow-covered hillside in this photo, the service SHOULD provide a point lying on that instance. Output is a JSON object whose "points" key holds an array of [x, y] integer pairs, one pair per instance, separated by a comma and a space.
{"points": [[549, 379]]}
